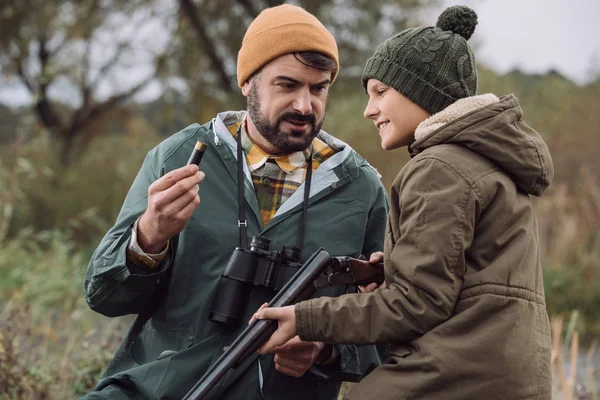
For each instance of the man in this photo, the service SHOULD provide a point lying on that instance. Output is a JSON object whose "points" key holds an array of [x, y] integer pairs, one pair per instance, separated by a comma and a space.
{"points": [[165, 255]]}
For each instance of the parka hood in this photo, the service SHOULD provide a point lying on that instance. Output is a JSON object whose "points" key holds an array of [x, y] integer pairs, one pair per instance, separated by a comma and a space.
{"points": [[492, 128]]}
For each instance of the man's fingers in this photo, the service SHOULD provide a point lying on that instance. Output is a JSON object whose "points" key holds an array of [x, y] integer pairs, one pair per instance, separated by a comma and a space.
{"points": [[290, 359], [184, 215], [288, 371], [293, 345], [297, 364], [181, 187], [296, 356], [174, 207], [300, 352], [174, 176]]}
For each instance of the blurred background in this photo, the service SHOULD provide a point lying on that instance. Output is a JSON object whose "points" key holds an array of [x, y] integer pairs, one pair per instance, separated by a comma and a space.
{"points": [[88, 87]]}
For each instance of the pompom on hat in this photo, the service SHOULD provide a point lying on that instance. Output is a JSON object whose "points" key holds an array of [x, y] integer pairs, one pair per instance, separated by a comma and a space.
{"points": [[281, 30], [431, 66]]}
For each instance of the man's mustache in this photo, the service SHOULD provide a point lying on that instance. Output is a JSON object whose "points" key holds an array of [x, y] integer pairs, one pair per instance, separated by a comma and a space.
{"points": [[297, 117]]}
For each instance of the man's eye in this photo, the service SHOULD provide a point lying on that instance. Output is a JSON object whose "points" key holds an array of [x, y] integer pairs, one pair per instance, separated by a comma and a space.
{"points": [[319, 88], [287, 85]]}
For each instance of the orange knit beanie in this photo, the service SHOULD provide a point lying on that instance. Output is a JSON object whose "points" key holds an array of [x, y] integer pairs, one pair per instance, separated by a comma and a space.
{"points": [[282, 30]]}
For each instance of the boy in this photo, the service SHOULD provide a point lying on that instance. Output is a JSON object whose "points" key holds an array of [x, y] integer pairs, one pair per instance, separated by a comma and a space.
{"points": [[464, 310]]}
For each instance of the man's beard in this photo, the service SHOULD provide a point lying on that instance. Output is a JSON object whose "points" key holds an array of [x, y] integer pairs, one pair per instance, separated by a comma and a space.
{"points": [[272, 132]]}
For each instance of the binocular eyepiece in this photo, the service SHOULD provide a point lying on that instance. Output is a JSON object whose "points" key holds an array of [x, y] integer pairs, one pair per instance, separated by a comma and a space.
{"points": [[246, 269]]}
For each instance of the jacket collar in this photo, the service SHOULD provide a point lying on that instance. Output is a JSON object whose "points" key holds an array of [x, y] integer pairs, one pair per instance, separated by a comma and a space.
{"points": [[335, 172], [453, 112]]}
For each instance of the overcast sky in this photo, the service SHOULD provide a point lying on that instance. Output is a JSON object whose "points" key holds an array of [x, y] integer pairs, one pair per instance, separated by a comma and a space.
{"points": [[537, 35], [533, 35]]}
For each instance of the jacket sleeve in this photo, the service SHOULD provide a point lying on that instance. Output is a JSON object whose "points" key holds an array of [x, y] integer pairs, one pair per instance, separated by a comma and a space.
{"points": [[434, 215], [113, 286], [375, 229], [354, 362]]}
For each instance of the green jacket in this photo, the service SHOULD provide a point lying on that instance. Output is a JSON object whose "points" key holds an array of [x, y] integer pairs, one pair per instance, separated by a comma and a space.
{"points": [[346, 216], [465, 309]]}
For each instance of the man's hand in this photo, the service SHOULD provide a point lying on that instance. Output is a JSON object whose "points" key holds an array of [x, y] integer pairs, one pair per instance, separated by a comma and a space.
{"points": [[375, 258], [295, 357], [172, 200]]}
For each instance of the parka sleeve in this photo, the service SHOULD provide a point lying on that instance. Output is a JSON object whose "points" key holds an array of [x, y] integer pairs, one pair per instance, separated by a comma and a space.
{"points": [[375, 229], [113, 286], [430, 229]]}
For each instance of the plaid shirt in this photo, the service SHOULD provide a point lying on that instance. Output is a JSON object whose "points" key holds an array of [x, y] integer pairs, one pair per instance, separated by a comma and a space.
{"points": [[276, 178]]}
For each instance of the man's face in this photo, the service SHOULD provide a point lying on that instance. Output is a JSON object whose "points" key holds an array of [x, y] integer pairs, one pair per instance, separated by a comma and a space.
{"points": [[286, 103]]}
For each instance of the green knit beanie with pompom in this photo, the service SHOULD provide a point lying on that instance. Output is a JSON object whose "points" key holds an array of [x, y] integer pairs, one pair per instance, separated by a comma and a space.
{"points": [[432, 66]]}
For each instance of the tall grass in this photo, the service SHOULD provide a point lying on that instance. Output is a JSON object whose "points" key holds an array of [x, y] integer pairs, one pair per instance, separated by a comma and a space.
{"points": [[51, 345], [571, 380], [569, 221]]}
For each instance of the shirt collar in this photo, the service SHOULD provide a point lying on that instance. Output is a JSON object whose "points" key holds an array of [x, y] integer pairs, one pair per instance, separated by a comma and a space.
{"points": [[256, 157]]}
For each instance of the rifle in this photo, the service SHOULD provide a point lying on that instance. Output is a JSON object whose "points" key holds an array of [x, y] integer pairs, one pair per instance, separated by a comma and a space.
{"points": [[320, 270]]}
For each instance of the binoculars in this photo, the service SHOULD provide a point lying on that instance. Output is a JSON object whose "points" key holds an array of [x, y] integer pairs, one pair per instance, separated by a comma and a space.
{"points": [[246, 269]]}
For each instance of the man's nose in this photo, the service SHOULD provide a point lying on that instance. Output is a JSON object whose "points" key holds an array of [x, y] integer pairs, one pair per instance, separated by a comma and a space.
{"points": [[303, 102]]}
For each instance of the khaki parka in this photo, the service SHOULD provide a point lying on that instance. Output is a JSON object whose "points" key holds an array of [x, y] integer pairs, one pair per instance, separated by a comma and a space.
{"points": [[464, 311]]}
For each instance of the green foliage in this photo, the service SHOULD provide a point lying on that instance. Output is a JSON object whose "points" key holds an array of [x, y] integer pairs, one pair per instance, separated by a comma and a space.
{"points": [[43, 194], [571, 288], [8, 123], [51, 344], [17, 379]]}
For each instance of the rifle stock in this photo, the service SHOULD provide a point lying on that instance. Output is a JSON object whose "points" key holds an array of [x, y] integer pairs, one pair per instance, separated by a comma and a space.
{"points": [[362, 272]]}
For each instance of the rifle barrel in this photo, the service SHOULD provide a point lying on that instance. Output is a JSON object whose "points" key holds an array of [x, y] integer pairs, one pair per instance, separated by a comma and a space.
{"points": [[298, 288]]}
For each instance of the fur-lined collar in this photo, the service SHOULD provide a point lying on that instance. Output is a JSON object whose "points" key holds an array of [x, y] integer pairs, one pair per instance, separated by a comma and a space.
{"points": [[453, 112]]}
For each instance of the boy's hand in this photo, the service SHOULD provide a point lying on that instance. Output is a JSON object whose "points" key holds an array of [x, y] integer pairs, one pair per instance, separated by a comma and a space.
{"points": [[286, 319], [292, 357], [375, 258]]}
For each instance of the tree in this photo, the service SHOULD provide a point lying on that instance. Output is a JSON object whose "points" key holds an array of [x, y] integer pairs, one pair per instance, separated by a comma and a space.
{"points": [[80, 60], [73, 56], [211, 33]]}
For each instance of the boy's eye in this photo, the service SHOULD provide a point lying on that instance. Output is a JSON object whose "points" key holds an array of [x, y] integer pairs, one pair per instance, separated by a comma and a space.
{"points": [[381, 91]]}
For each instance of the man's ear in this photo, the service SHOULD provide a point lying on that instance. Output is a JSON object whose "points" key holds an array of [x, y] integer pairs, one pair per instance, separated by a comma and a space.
{"points": [[246, 88]]}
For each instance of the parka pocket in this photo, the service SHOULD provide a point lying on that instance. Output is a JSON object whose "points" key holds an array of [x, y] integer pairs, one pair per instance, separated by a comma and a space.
{"points": [[152, 344]]}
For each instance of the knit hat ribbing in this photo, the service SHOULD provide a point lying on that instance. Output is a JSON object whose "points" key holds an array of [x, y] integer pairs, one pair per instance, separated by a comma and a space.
{"points": [[432, 66], [281, 30]]}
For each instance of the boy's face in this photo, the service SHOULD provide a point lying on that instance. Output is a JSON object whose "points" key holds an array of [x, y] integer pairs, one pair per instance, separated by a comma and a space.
{"points": [[286, 104], [395, 116]]}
